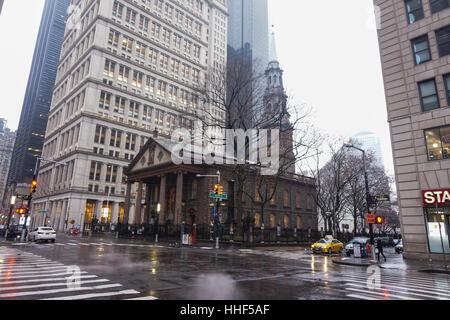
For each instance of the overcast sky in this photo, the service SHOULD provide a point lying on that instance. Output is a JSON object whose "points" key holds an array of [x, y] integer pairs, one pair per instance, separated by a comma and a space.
{"points": [[328, 50]]}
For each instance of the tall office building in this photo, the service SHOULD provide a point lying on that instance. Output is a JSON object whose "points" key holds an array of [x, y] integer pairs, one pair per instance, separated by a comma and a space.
{"points": [[38, 95], [127, 71], [414, 41], [7, 138], [371, 142], [248, 30]]}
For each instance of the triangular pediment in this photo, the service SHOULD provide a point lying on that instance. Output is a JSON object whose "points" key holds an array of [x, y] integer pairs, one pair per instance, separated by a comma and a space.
{"points": [[155, 152]]}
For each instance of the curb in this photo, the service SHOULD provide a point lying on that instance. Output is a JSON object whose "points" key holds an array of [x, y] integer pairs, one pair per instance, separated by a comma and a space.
{"points": [[352, 264]]}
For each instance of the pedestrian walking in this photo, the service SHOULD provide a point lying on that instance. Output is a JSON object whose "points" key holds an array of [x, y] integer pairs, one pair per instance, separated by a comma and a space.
{"points": [[380, 250]]}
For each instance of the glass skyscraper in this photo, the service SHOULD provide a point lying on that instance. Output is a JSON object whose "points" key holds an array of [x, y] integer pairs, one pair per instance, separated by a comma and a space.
{"points": [[38, 95], [248, 29]]}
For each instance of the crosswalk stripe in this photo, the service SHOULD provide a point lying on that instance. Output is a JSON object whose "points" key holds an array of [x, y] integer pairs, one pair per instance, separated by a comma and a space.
{"points": [[434, 280], [46, 279], [383, 294], [402, 291], [49, 285], [143, 298], [425, 288], [72, 244], [357, 296], [43, 267], [408, 282], [44, 292], [95, 295], [25, 275]]}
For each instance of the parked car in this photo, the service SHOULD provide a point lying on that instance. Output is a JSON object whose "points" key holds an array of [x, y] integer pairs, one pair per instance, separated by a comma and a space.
{"points": [[399, 247], [15, 231], [385, 241], [43, 234], [349, 247], [327, 246]]}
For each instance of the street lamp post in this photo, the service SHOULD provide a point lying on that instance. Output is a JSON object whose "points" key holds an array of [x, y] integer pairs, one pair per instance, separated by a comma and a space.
{"points": [[366, 180], [38, 159]]}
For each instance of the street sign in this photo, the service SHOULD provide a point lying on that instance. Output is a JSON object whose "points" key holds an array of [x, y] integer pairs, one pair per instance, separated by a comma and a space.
{"points": [[42, 211], [370, 218], [217, 196], [375, 199]]}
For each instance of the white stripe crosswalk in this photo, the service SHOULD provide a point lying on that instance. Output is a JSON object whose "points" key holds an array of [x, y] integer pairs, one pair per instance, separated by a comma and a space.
{"points": [[25, 275], [405, 287]]}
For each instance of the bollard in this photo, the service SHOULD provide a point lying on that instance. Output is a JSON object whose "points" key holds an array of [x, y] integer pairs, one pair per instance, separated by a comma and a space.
{"points": [[217, 243], [156, 238]]}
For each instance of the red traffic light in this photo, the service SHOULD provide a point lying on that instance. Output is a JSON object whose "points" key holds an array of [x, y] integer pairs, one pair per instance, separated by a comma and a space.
{"points": [[379, 220]]}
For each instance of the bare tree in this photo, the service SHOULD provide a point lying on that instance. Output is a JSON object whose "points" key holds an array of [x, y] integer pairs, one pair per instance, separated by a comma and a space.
{"points": [[238, 99]]}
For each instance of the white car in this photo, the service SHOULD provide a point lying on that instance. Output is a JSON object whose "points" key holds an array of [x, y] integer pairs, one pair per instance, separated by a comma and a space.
{"points": [[43, 234]]}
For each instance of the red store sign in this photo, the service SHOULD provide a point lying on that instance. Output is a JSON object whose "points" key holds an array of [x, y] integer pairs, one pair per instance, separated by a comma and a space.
{"points": [[432, 197]]}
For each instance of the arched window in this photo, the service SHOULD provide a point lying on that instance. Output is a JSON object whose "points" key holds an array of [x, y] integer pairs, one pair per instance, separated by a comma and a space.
{"points": [[286, 221], [257, 220], [272, 221]]}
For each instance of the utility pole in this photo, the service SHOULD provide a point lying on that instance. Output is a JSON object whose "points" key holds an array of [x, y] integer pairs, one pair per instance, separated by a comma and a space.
{"points": [[366, 180]]}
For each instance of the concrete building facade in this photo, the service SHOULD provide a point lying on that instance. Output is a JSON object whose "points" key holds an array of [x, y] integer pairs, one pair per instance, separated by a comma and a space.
{"points": [[126, 70], [414, 40], [7, 138]]}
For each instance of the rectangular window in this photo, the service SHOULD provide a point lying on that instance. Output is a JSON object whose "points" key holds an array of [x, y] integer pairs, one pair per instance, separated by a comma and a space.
{"points": [[109, 68], [421, 49], [105, 100], [447, 87], [443, 40], [438, 143], [438, 223], [124, 74], [100, 133], [428, 95], [414, 10], [119, 106], [438, 5], [113, 38]]}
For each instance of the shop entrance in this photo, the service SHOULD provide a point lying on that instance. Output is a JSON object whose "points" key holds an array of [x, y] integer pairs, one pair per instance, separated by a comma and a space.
{"points": [[438, 226]]}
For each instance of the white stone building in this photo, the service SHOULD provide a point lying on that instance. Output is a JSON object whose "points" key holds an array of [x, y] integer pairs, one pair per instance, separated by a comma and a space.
{"points": [[127, 68]]}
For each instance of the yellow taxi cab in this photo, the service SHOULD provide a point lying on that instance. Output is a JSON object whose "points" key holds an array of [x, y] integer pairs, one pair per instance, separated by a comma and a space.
{"points": [[327, 246]]}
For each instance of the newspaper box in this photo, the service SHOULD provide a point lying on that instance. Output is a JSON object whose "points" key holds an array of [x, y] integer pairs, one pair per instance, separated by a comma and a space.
{"points": [[357, 250]]}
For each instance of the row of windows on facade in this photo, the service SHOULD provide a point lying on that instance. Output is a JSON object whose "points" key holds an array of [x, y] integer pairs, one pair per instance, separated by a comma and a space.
{"points": [[415, 8], [429, 96], [66, 111], [142, 111], [152, 56], [143, 23], [85, 21], [421, 45], [66, 140], [77, 76], [165, 61], [67, 62], [116, 138], [50, 179], [159, 5]]}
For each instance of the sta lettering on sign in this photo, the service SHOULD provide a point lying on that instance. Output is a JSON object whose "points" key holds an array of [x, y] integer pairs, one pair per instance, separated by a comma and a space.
{"points": [[432, 197]]}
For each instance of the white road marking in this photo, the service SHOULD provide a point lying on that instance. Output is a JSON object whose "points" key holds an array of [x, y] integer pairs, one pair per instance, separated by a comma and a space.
{"points": [[361, 297], [95, 295], [46, 279], [40, 267], [400, 290], [49, 285], [43, 292], [143, 298], [383, 294]]}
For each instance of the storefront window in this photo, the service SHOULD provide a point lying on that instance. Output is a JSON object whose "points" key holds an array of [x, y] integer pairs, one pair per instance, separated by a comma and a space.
{"points": [[438, 143], [437, 229]]}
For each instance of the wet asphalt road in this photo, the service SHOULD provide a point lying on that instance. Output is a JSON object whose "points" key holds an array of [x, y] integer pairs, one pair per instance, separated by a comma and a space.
{"points": [[125, 269]]}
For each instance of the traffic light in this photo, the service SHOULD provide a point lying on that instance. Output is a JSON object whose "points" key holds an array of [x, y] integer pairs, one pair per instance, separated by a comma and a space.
{"points": [[33, 185], [220, 190], [21, 211], [379, 220], [216, 189]]}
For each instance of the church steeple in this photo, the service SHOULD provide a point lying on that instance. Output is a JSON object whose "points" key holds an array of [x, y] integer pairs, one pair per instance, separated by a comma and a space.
{"points": [[275, 101]]}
